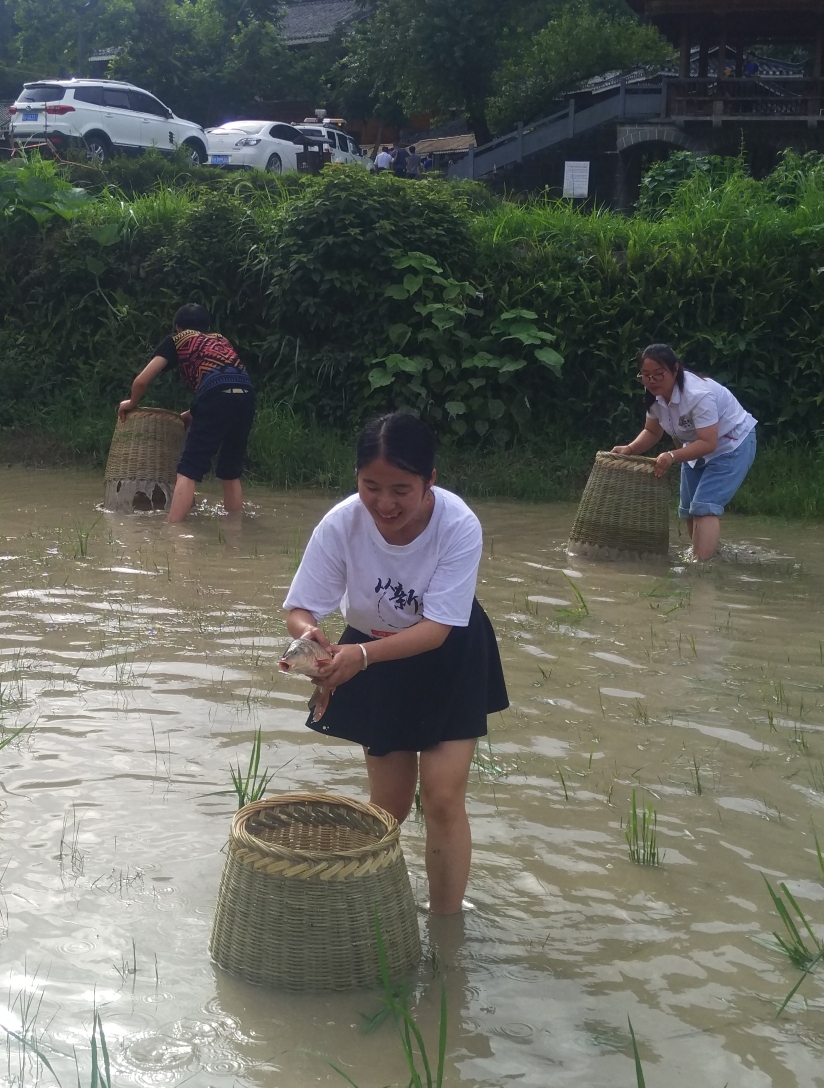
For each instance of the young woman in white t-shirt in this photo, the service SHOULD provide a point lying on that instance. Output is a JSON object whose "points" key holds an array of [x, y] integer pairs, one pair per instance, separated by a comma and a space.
{"points": [[417, 669], [714, 435]]}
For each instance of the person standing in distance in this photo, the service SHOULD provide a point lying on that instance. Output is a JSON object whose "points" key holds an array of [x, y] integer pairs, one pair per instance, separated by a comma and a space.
{"points": [[417, 669], [715, 439], [383, 160], [222, 412]]}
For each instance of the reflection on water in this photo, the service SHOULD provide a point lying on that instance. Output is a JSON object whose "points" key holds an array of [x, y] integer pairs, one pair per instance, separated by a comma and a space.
{"points": [[143, 669]]}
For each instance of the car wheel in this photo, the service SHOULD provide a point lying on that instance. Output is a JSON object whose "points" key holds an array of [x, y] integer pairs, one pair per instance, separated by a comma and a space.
{"points": [[274, 165], [196, 151], [98, 147]]}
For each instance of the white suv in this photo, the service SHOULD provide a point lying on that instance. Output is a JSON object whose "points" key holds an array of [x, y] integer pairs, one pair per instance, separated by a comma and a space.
{"points": [[343, 148], [102, 115]]}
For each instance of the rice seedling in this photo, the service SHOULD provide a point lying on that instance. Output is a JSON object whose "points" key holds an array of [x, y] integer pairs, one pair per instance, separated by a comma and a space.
{"points": [[818, 852], [816, 775], [69, 845], [563, 783], [81, 536], [666, 591], [641, 713], [7, 737], [780, 695], [639, 1072], [252, 784], [792, 943], [697, 777], [578, 610], [485, 762], [396, 1004], [642, 835], [799, 738], [127, 967], [100, 1077]]}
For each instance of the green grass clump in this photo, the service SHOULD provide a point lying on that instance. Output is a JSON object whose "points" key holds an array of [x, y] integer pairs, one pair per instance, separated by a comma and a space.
{"points": [[423, 1072], [252, 784], [642, 835], [792, 943], [784, 481]]}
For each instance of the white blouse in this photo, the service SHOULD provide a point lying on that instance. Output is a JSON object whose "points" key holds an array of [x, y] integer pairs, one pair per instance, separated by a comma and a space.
{"points": [[703, 403]]}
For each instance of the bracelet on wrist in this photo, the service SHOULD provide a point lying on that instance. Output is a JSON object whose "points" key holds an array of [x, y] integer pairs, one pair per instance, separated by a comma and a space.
{"points": [[365, 658]]}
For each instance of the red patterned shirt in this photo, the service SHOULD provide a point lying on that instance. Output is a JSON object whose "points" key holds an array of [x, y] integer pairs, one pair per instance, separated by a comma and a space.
{"points": [[206, 360]]}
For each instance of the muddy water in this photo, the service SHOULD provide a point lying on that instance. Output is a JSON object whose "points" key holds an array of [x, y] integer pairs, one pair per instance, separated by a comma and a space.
{"points": [[143, 668]]}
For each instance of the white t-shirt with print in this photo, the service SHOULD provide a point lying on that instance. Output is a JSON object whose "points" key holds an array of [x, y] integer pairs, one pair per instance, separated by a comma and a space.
{"points": [[703, 403], [384, 588]]}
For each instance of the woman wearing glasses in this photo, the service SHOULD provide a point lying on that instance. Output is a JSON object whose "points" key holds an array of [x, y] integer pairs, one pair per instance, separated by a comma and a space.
{"points": [[714, 436]]}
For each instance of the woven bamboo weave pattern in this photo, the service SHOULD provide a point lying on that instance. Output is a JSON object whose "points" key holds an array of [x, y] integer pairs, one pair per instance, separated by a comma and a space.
{"points": [[146, 446], [624, 509], [304, 876]]}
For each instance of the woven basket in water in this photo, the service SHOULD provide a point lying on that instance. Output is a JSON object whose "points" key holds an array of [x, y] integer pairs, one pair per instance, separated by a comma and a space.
{"points": [[143, 457], [304, 877], [624, 510]]}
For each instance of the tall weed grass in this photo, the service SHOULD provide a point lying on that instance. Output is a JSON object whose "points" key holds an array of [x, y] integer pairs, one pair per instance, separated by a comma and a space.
{"points": [[295, 272]]}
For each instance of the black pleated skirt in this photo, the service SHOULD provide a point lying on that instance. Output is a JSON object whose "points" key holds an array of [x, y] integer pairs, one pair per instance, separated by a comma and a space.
{"points": [[417, 702]]}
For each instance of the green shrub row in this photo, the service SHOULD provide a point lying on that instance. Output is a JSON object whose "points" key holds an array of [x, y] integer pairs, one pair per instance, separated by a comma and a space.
{"points": [[348, 294]]}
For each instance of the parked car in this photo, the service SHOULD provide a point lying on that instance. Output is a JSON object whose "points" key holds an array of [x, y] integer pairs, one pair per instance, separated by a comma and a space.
{"points": [[267, 145], [103, 115], [343, 147]]}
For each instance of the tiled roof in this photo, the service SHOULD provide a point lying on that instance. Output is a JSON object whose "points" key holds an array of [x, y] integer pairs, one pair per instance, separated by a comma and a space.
{"points": [[767, 66], [310, 21], [435, 145]]}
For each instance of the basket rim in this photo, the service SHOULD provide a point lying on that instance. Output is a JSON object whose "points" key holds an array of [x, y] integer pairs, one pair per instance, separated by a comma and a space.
{"points": [[625, 458], [241, 837], [149, 411]]}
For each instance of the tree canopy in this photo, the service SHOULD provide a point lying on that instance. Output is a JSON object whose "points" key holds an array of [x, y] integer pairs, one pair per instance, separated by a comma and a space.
{"points": [[577, 45], [493, 61]]}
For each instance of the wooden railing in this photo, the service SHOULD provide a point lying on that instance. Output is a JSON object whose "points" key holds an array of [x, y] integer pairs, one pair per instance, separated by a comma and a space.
{"points": [[750, 98]]}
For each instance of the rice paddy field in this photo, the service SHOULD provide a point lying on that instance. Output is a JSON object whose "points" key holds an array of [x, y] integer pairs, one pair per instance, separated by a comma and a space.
{"points": [[645, 816]]}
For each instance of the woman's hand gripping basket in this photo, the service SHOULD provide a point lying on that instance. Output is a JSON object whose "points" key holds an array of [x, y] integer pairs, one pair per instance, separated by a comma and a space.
{"points": [[143, 457], [624, 510], [305, 878]]}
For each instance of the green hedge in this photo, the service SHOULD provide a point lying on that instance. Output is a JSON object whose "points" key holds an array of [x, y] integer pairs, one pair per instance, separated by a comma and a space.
{"points": [[729, 270]]}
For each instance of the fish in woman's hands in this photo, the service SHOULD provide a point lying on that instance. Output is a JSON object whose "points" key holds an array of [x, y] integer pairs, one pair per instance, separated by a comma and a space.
{"points": [[302, 657]]}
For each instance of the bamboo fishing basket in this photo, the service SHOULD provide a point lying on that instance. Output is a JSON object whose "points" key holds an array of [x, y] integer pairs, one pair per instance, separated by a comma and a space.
{"points": [[142, 466], [624, 510], [305, 879]]}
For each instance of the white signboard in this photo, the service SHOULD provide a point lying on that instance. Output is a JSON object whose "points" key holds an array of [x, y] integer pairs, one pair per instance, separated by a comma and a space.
{"points": [[576, 179]]}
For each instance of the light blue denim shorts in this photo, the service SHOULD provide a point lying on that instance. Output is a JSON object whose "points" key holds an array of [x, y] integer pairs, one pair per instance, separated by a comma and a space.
{"points": [[707, 488]]}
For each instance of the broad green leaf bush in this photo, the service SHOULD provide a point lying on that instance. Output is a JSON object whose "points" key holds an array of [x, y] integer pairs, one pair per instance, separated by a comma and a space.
{"points": [[348, 294], [450, 363], [665, 179]]}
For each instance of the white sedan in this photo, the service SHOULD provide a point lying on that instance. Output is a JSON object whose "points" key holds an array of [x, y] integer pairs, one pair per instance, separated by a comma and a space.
{"points": [[267, 145]]}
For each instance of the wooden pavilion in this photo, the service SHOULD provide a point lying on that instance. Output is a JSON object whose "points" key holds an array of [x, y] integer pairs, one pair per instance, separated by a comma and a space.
{"points": [[742, 22], [726, 92]]}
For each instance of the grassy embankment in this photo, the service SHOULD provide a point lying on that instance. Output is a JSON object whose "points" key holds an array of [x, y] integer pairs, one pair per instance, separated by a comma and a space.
{"points": [[286, 452], [297, 274]]}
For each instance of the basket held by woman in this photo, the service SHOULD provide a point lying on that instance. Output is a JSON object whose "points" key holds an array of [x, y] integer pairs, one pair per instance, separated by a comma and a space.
{"points": [[624, 510], [142, 464], [306, 877]]}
